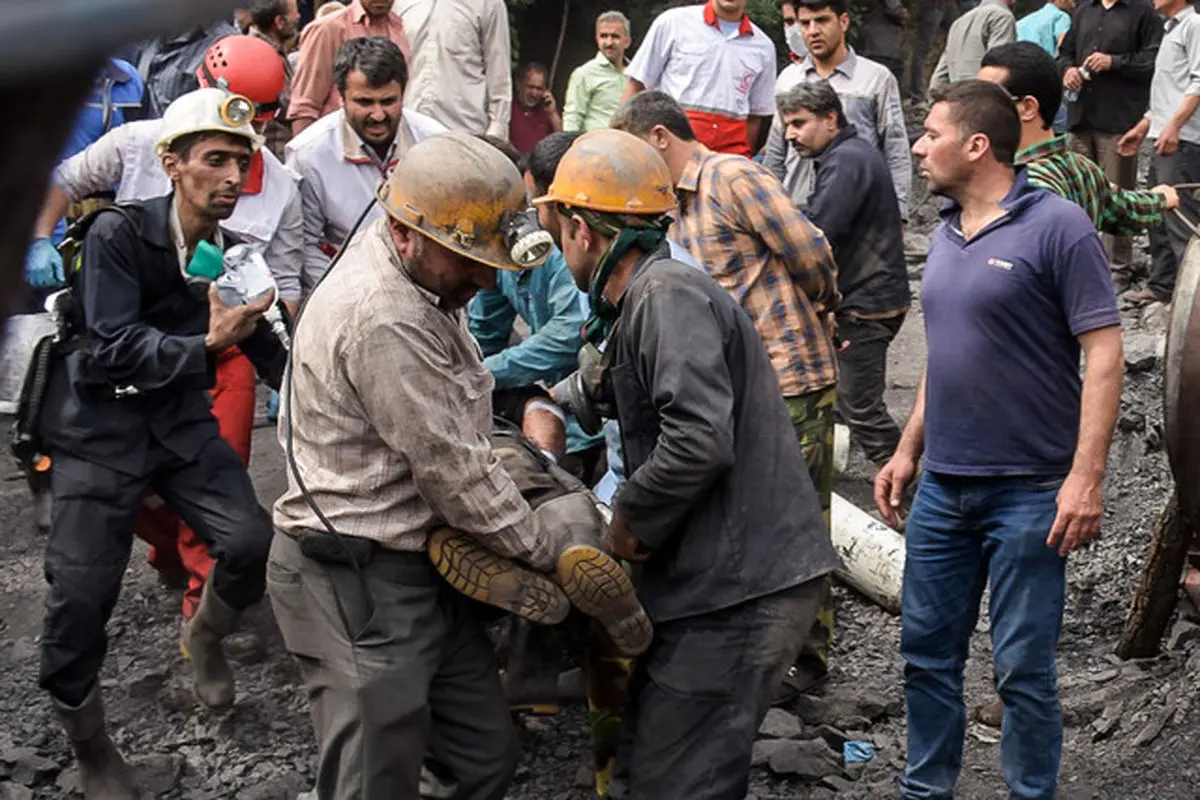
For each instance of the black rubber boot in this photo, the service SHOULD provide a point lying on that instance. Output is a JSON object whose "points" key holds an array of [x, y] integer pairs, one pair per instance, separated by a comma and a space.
{"points": [[103, 773], [201, 642]]}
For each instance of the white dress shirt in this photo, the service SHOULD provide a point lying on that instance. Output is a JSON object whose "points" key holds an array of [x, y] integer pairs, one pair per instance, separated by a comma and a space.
{"points": [[461, 70]]}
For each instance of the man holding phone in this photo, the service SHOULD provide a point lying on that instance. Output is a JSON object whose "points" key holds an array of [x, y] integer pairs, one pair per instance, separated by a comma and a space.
{"points": [[534, 113]]}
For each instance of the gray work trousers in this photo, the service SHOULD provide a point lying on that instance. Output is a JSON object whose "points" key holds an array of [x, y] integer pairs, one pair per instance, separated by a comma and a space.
{"points": [[1169, 241], [396, 665], [699, 694], [1121, 170], [861, 383]]}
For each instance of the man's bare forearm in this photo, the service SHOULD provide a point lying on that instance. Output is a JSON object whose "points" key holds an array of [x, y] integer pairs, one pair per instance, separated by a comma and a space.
{"points": [[53, 209], [912, 441], [1101, 399], [632, 87]]}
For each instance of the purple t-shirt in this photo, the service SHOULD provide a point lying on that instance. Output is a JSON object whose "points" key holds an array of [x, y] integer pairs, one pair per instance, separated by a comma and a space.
{"points": [[1002, 313]]}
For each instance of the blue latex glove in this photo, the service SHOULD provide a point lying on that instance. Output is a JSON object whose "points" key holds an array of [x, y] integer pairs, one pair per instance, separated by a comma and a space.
{"points": [[273, 407], [43, 265]]}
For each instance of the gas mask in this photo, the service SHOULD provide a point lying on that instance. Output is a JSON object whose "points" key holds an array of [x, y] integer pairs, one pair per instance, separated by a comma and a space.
{"points": [[587, 392], [205, 266], [527, 243]]}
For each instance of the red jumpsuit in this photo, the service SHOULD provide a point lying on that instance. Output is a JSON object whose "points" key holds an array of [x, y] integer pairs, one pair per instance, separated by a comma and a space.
{"points": [[173, 545]]}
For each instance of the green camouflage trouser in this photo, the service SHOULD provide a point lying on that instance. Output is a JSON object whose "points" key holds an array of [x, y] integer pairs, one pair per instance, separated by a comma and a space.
{"points": [[812, 417], [608, 686]]}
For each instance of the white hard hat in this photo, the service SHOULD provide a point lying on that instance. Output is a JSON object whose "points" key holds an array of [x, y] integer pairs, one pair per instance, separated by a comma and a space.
{"points": [[208, 110]]}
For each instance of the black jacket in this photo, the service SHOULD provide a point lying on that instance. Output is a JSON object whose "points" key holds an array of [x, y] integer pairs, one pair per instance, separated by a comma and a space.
{"points": [[717, 486], [145, 329], [863, 227]]}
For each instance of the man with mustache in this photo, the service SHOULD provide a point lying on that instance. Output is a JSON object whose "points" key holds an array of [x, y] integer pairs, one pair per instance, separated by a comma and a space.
{"points": [[344, 156], [127, 410]]}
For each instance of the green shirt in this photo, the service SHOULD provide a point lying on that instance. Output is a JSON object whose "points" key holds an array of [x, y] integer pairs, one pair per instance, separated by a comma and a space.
{"points": [[1121, 212], [593, 94]]}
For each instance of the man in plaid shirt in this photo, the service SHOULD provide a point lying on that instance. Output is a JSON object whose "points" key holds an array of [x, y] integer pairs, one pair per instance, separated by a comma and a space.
{"points": [[1030, 75], [737, 221]]}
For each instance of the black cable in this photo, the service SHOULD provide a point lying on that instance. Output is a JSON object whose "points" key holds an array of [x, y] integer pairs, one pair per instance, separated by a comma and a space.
{"points": [[290, 447]]}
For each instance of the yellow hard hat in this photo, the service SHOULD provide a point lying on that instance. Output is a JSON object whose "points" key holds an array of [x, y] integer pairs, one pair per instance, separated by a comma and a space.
{"points": [[460, 192], [612, 171]]}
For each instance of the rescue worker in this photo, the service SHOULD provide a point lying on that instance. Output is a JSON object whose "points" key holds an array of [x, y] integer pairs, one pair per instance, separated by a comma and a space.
{"points": [[739, 224], [267, 216], [386, 423], [342, 157], [126, 411], [734, 551]]}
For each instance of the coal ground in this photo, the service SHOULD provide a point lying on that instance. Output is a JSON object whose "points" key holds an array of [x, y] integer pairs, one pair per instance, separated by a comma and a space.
{"points": [[1131, 732]]}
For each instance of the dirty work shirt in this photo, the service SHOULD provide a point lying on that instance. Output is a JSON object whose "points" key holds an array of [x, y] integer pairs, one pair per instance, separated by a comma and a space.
{"points": [[392, 408], [1002, 316]]}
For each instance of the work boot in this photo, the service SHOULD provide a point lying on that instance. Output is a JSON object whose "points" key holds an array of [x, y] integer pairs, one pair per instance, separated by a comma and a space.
{"points": [[103, 773], [201, 642], [482, 575]]}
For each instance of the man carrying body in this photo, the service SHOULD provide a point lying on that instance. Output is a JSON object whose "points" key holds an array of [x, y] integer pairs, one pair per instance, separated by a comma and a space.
{"points": [[728, 529], [386, 423], [1113, 43], [718, 65], [344, 157], [461, 63], [314, 87], [865, 232], [129, 412], [988, 25], [595, 88], [534, 113], [869, 94], [1016, 285], [1172, 123], [738, 224]]}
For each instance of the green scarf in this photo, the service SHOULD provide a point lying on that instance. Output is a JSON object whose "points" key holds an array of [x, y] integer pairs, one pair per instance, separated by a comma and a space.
{"points": [[647, 236]]}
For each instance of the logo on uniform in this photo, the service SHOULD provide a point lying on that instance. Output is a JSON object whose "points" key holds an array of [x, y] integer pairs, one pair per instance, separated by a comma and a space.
{"points": [[1000, 263]]}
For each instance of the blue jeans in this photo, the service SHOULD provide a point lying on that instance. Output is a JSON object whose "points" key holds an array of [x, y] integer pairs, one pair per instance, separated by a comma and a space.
{"points": [[964, 532]]}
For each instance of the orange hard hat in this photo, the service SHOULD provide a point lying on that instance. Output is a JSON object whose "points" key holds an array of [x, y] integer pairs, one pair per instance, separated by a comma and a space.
{"points": [[612, 171], [247, 66]]}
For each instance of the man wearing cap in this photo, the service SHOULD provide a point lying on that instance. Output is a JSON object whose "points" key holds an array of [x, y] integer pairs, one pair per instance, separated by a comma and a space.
{"points": [[344, 156], [127, 410], [387, 420], [267, 216]]}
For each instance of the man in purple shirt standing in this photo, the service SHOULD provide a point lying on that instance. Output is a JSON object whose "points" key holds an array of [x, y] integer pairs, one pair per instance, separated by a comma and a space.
{"points": [[1016, 284]]}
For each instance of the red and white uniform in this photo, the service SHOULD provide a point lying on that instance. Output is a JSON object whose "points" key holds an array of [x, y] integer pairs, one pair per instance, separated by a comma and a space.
{"points": [[721, 74]]}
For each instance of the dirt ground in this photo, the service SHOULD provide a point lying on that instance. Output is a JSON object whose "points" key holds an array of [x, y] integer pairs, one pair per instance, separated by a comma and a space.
{"points": [[1131, 728]]}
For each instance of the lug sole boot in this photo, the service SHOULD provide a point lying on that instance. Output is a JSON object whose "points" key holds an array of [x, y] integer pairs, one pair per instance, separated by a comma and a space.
{"points": [[598, 586], [103, 773], [201, 643], [489, 578]]}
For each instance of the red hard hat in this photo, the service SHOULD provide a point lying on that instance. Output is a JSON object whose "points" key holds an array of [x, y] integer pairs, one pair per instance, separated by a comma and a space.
{"points": [[248, 66]]}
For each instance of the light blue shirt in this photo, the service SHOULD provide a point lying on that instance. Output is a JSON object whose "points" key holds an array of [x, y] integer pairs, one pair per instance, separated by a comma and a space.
{"points": [[555, 310], [1044, 27]]}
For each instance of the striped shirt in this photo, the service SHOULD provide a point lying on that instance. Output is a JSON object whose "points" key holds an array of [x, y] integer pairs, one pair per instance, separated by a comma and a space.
{"points": [[738, 222], [1121, 212]]}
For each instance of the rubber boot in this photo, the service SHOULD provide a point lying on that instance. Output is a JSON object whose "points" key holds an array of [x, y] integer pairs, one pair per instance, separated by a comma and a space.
{"points": [[103, 773], [201, 642], [595, 582], [482, 575]]}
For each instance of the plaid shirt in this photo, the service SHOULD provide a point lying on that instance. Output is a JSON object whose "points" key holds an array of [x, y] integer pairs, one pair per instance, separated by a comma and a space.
{"points": [[738, 222], [1121, 212]]}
